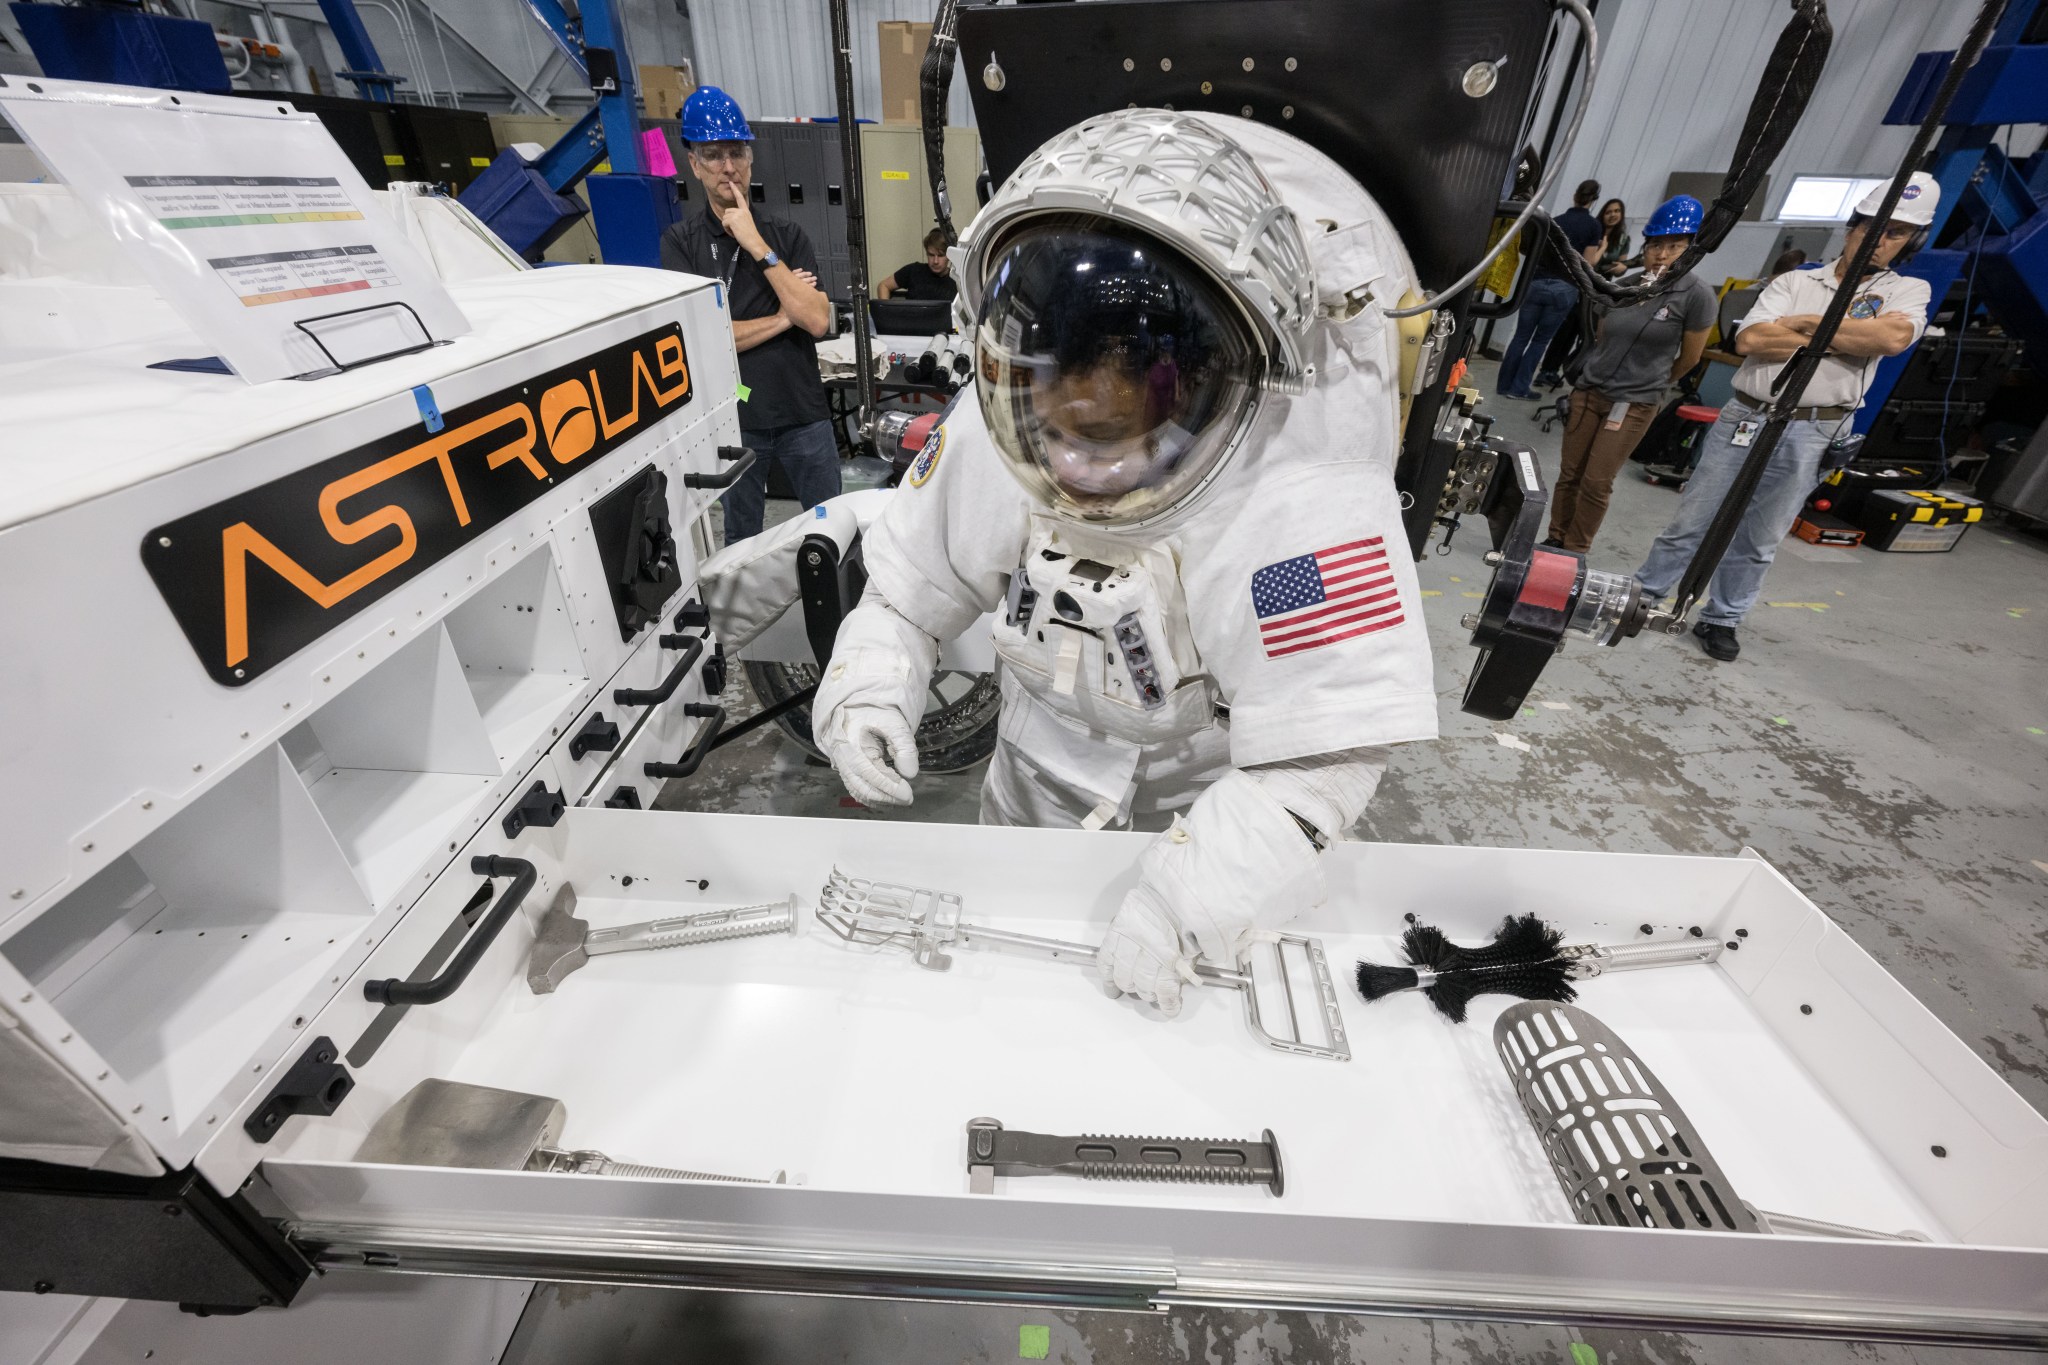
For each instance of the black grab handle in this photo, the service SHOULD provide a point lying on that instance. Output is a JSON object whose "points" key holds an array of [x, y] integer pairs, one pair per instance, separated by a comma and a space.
{"points": [[741, 464], [692, 647], [392, 991], [706, 740]]}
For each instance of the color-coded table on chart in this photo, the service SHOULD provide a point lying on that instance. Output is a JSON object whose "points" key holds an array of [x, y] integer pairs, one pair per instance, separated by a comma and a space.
{"points": [[281, 276], [257, 219], [286, 295]]}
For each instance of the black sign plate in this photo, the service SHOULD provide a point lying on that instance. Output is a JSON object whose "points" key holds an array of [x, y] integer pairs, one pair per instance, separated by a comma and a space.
{"points": [[261, 575]]}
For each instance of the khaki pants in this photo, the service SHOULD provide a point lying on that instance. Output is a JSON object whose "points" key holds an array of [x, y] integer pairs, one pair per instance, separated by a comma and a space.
{"points": [[1593, 454]]}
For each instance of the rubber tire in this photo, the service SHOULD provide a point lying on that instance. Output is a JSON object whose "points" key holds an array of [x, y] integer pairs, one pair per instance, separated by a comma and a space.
{"points": [[950, 739]]}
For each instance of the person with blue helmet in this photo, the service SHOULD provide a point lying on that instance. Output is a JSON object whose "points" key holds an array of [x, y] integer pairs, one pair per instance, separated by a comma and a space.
{"points": [[1887, 313], [768, 269], [1637, 352]]}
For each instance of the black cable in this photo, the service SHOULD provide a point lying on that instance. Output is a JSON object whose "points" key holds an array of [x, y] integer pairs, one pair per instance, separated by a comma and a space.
{"points": [[1788, 83], [934, 84], [1794, 375]]}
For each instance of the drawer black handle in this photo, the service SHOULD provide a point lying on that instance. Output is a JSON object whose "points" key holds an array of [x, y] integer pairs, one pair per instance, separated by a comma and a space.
{"points": [[693, 757], [692, 647], [392, 991], [742, 462]]}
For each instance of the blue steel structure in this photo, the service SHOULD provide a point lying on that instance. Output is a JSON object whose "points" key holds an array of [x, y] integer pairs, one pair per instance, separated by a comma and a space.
{"points": [[365, 68], [1993, 217], [122, 46], [529, 204]]}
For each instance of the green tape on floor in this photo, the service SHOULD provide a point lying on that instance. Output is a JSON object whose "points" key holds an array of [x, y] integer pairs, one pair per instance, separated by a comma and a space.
{"points": [[1034, 1343]]}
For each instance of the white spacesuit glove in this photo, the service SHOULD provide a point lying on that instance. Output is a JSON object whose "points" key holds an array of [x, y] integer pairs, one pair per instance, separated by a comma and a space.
{"points": [[870, 700], [1144, 955], [1239, 861], [874, 751]]}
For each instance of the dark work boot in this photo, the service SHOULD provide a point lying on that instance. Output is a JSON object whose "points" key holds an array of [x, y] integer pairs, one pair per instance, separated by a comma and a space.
{"points": [[1719, 641]]}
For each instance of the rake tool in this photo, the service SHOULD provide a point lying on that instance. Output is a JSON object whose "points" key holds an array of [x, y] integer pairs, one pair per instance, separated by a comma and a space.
{"points": [[928, 923]]}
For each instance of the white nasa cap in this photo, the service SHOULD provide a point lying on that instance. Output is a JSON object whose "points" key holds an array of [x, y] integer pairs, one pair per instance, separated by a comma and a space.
{"points": [[1917, 201]]}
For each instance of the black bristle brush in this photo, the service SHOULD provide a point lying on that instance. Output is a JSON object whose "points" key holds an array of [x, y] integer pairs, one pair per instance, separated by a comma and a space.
{"points": [[1522, 960], [1525, 959]]}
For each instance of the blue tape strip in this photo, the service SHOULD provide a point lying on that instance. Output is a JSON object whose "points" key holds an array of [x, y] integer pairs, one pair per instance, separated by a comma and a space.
{"points": [[430, 411]]}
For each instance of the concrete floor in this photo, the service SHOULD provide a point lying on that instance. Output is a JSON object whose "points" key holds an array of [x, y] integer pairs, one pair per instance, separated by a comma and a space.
{"points": [[1883, 741]]}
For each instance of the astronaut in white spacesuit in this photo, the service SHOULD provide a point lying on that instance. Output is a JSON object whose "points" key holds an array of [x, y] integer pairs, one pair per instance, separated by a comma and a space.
{"points": [[1173, 486]]}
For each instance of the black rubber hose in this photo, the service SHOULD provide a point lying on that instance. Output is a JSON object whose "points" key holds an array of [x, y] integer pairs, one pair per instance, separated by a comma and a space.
{"points": [[934, 86]]}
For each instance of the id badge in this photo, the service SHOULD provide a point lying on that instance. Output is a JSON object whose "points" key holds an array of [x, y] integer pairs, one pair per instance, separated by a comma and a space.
{"points": [[1616, 415], [1745, 433]]}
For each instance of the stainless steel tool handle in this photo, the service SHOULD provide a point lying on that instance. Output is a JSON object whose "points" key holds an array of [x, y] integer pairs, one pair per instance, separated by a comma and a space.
{"points": [[587, 1162], [1792, 1225], [1594, 959], [745, 921], [1065, 950]]}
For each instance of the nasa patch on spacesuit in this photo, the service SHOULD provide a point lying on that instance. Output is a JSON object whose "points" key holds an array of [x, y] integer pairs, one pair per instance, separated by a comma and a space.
{"points": [[927, 457]]}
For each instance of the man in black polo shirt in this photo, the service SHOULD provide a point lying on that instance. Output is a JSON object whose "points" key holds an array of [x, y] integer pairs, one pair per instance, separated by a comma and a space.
{"points": [[769, 271], [930, 278]]}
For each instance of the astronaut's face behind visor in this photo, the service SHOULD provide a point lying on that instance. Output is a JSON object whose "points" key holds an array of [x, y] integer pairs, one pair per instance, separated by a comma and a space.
{"points": [[1114, 376]]}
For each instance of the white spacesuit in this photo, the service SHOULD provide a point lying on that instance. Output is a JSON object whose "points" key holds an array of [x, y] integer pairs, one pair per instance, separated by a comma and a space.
{"points": [[1173, 485]]}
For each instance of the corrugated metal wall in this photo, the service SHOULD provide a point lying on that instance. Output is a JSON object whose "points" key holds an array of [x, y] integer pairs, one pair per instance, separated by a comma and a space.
{"points": [[1675, 82], [775, 56]]}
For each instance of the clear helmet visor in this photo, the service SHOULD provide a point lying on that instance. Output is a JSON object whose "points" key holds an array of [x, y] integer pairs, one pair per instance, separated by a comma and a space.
{"points": [[1114, 376]]}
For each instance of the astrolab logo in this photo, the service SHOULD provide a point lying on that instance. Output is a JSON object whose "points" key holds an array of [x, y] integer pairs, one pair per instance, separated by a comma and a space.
{"points": [[253, 579]]}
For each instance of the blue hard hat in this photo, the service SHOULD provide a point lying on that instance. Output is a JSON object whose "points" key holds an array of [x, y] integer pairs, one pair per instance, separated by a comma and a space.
{"points": [[711, 115], [1679, 217]]}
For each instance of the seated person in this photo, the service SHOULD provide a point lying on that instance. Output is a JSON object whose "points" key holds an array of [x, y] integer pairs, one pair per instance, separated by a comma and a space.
{"points": [[930, 278]]}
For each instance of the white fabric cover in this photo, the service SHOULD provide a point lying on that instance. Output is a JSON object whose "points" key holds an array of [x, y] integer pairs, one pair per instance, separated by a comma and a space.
{"points": [[747, 586]]}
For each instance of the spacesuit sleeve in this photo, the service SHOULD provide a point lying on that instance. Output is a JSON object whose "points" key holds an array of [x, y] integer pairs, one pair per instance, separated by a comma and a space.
{"points": [[1307, 613], [943, 552]]}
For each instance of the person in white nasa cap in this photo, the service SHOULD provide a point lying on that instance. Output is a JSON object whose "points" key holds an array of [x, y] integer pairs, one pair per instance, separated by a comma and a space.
{"points": [[1887, 315], [1173, 487]]}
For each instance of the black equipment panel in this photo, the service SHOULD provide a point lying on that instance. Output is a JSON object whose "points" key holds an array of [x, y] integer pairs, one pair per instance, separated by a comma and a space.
{"points": [[169, 1237], [258, 576], [1377, 86], [637, 546]]}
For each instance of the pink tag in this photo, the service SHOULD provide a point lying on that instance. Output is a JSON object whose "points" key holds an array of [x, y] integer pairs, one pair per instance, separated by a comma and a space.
{"points": [[654, 150]]}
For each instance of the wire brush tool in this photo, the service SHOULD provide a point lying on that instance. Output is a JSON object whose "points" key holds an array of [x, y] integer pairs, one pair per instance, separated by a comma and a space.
{"points": [[1527, 958]]}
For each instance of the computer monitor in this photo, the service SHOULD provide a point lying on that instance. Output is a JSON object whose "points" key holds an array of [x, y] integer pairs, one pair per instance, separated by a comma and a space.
{"points": [[910, 317]]}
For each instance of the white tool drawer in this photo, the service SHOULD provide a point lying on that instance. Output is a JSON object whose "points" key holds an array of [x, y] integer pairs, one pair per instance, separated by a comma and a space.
{"points": [[1412, 1178]]}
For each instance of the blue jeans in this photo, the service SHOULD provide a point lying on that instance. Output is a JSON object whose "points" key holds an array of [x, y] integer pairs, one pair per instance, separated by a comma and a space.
{"points": [[1546, 305], [1791, 475], [806, 453]]}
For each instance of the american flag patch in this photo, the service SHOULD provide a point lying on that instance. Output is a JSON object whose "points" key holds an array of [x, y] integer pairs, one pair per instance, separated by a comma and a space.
{"points": [[1334, 594]]}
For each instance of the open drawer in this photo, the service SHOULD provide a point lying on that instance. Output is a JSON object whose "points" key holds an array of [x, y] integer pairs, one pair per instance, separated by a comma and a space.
{"points": [[1413, 1180]]}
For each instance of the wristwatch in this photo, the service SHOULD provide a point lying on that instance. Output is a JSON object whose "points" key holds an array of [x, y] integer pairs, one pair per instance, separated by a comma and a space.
{"points": [[771, 259]]}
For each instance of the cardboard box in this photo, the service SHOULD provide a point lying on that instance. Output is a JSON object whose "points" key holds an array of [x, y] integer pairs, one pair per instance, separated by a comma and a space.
{"points": [[903, 44], [664, 88]]}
